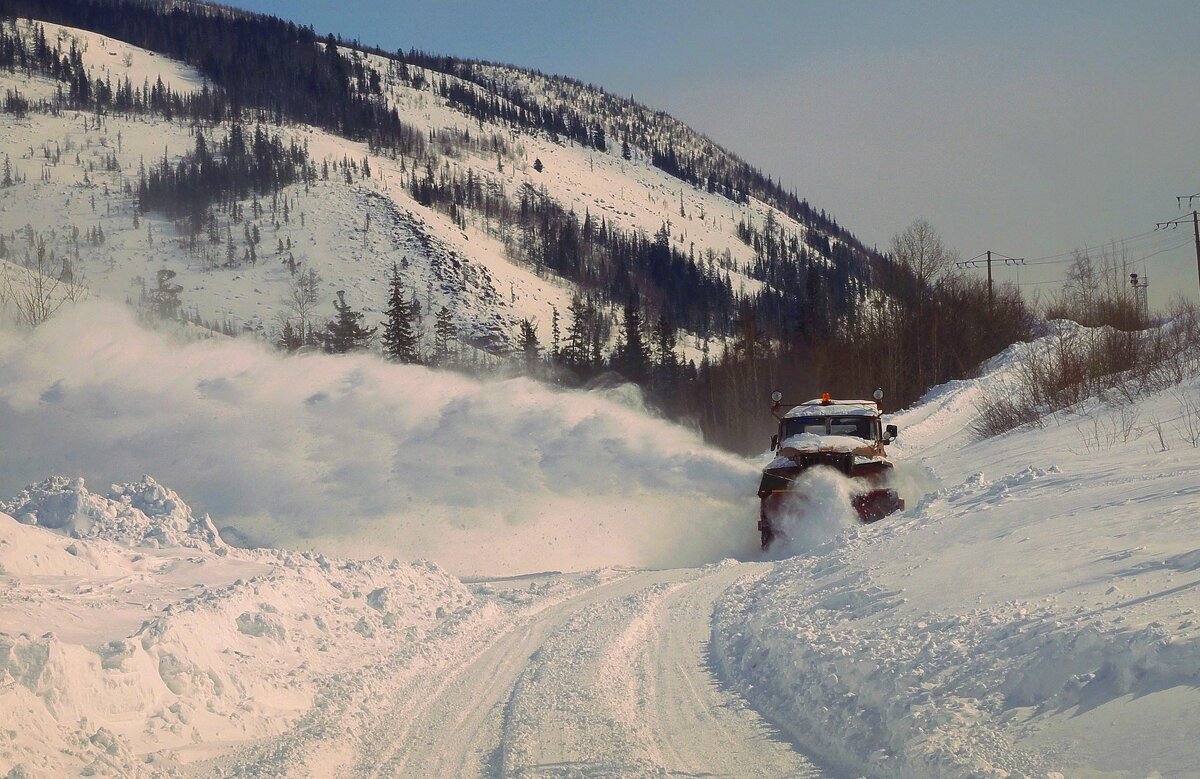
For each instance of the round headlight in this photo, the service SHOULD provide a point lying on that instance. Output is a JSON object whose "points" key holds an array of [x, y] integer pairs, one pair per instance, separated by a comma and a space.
{"points": [[776, 396]]}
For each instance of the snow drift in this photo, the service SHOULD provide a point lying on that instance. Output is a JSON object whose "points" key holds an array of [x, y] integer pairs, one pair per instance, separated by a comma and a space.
{"points": [[142, 513], [355, 456], [121, 660], [1035, 616]]}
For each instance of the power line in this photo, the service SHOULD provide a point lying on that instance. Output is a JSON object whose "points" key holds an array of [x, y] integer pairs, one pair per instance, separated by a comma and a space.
{"points": [[1164, 250], [975, 261], [1051, 259], [1173, 223]]}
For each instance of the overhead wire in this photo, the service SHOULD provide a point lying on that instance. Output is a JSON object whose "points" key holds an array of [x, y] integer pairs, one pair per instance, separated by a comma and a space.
{"points": [[1178, 244]]}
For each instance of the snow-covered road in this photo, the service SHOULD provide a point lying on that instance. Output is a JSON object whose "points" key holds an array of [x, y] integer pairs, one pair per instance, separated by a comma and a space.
{"points": [[594, 675]]}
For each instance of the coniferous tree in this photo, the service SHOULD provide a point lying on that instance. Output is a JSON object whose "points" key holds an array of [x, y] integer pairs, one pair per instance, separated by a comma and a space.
{"points": [[289, 339], [399, 340], [666, 361], [555, 335], [346, 332], [632, 358], [164, 298], [575, 353], [530, 347], [444, 334]]}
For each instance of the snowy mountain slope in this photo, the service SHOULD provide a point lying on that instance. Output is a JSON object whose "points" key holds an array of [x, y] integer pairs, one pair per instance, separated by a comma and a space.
{"points": [[1037, 613], [73, 175], [327, 233], [106, 57]]}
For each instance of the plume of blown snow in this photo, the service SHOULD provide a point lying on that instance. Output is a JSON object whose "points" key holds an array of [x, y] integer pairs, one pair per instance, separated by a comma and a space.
{"points": [[355, 456], [818, 510]]}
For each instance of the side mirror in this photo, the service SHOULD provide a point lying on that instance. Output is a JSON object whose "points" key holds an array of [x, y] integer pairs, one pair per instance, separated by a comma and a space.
{"points": [[774, 442], [891, 433]]}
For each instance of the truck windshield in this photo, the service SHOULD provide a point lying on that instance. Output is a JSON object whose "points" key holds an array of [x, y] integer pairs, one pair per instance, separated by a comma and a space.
{"points": [[855, 426], [798, 425]]}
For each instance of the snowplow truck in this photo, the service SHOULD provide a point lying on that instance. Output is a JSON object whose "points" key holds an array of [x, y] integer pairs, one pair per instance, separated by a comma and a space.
{"points": [[846, 435]]}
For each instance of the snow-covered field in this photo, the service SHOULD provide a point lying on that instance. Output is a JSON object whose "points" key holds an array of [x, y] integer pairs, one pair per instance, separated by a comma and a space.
{"points": [[1034, 615]]}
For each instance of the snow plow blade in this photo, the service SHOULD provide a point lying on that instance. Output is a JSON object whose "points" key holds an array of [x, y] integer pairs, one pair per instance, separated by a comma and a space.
{"points": [[846, 435]]}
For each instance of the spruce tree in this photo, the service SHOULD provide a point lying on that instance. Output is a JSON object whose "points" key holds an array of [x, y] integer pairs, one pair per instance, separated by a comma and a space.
{"points": [[444, 334], [633, 356], [164, 298], [289, 339], [530, 347], [555, 335], [666, 368], [346, 332], [399, 340], [575, 353]]}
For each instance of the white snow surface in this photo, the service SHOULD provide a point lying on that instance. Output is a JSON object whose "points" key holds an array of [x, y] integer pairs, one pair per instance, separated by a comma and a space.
{"points": [[1035, 616], [122, 660], [142, 513]]}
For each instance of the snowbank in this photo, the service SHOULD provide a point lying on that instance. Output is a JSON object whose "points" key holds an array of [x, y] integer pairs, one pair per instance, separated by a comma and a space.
{"points": [[1037, 614], [137, 514], [139, 641]]}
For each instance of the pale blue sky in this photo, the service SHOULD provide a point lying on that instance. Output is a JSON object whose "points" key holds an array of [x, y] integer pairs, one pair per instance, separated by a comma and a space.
{"points": [[1026, 128]]}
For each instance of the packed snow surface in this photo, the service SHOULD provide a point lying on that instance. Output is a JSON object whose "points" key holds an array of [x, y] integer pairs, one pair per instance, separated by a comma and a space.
{"points": [[124, 653]]}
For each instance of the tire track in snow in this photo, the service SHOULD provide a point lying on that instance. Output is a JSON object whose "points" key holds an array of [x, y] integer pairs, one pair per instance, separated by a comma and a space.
{"points": [[608, 677], [625, 689]]}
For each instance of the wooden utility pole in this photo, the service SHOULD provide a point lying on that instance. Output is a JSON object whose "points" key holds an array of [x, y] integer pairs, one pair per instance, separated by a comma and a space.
{"points": [[991, 295], [975, 261], [1196, 231], [1173, 223]]}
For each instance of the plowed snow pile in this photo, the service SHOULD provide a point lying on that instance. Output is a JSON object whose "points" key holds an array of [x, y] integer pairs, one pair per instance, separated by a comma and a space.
{"points": [[359, 457], [127, 655], [1037, 616]]}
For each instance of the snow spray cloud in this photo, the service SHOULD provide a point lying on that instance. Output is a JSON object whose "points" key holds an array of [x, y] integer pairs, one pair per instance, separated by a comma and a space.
{"points": [[352, 455], [819, 509]]}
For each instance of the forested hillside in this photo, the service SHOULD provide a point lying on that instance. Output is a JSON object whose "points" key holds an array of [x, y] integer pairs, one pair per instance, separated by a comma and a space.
{"points": [[718, 287]]}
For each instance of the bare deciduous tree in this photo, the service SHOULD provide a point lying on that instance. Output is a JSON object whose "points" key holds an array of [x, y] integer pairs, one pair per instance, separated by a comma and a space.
{"points": [[920, 249], [302, 298], [40, 289]]}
